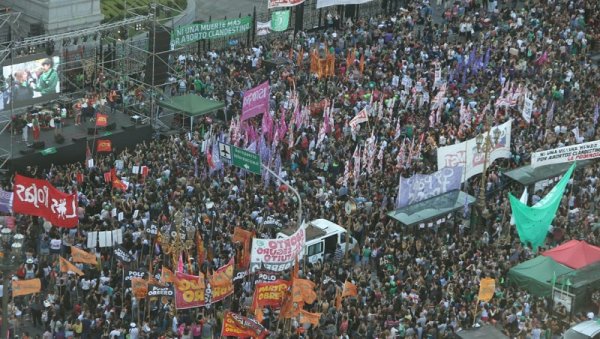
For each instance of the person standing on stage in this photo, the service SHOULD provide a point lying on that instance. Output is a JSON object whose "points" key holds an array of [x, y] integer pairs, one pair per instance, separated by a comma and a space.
{"points": [[25, 129], [36, 128], [77, 109]]}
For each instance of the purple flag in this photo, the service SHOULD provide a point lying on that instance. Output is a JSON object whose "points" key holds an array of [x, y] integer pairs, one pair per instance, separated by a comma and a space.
{"points": [[6, 199], [486, 60], [267, 125], [596, 113], [256, 101]]}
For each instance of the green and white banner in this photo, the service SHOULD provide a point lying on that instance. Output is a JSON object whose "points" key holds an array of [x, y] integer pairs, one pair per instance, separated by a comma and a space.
{"points": [[280, 20], [187, 34]]}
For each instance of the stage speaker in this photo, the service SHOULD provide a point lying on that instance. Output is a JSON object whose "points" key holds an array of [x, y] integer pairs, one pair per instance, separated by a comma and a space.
{"points": [[38, 145], [91, 130], [111, 126], [78, 139], [59, 138], [159, 44], [128, 127], [27, 151]]}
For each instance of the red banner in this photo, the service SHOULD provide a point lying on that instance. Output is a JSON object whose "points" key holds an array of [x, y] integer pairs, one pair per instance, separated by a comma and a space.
{"points": [[101, 120], [270, 293], [38, 197], [104, 145], [283, 3], [235, 325]]}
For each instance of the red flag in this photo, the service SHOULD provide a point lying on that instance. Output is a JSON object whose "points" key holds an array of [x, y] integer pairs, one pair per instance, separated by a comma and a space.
{"points": [[101, 120], [79, 178], [107, 177], [145, 171], [104, 145], [209, 160], [118, 184]]}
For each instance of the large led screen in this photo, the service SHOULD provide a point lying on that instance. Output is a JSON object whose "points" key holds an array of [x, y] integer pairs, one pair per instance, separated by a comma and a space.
{"points": [[29, 81]]}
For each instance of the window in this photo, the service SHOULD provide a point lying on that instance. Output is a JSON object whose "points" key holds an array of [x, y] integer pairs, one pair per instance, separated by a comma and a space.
{"points": [[315, 249]]}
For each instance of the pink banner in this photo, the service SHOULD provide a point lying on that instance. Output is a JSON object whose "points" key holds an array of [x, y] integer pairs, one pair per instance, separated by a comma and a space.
{"points": [[256, 101], [284, 3]]}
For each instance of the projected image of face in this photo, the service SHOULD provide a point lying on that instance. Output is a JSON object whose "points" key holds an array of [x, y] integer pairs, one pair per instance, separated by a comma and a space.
{"points": [[31, 81]]}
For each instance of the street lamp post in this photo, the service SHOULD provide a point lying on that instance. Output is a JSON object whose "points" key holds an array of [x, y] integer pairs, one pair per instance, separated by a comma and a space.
{"points": [[10, 259], [485, 145]]}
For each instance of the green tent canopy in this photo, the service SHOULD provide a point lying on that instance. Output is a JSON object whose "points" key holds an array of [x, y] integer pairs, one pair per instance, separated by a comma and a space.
{"points": [[191, 105], [536, 275]]}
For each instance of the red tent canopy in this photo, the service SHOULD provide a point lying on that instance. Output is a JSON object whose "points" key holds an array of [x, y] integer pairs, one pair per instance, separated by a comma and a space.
{"points": [[574, 254]]}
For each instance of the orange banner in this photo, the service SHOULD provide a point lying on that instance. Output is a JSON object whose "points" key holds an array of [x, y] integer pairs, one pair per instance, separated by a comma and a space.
{"points": [[25, 287], [235, 325], [487, 288], [166, 275], [245, 238], [309, 318], [303, 290], [139, 287], [270, 293], [223, 277], [66, 266], [350, 290], [80, 255]]}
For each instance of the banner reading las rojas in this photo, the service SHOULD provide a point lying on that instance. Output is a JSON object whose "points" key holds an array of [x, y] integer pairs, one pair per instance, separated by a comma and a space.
{"points": [[276, 254], [187, 34], [466, 154], [256, 101], [38, 197]]}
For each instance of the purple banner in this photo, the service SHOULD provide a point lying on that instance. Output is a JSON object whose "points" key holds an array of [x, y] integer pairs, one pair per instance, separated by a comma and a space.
{"points": [[256, 101], [6, 199], [421, 186]]}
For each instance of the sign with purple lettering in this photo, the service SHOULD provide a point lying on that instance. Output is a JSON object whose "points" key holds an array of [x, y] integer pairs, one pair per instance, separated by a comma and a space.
{"points": [[256, 101], [424, 186]]}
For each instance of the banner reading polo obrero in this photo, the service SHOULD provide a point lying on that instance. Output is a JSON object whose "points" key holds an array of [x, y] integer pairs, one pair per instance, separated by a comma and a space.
{"points": [[276, 254], [284, 3], [256, 101], [187, 34], [588, 150], [38, 197], [465, 154], [327, 3]]}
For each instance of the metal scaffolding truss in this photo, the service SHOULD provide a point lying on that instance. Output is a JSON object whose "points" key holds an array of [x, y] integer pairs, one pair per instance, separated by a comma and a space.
{"points": [[125, 49]]}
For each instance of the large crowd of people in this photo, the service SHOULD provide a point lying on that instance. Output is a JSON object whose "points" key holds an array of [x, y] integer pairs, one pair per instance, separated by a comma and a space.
{"points": [[412, 282]]}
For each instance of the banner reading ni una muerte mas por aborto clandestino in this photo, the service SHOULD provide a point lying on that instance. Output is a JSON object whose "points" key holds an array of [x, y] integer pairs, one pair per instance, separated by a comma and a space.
{"points": [[187, 34]]}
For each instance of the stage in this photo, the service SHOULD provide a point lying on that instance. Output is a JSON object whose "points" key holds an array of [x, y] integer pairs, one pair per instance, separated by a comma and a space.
{"points": [[122, 130]]}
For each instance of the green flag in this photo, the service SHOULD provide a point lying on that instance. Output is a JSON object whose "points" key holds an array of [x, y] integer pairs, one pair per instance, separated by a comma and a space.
{"points": [[280, 20], [533, 222], [48, 151]]}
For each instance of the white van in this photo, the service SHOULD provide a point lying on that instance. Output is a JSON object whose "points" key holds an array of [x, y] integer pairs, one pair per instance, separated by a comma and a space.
{"points": [[322, 238]]}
